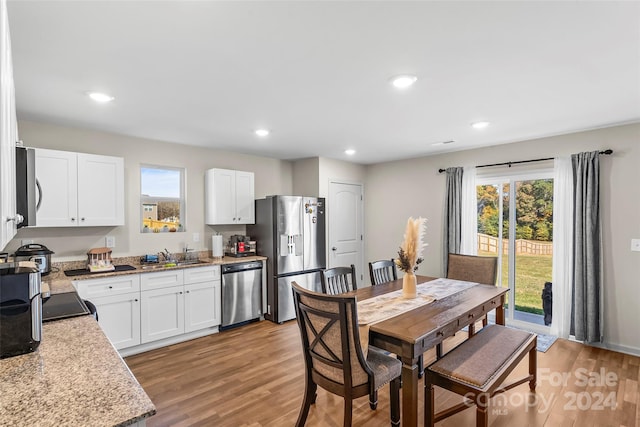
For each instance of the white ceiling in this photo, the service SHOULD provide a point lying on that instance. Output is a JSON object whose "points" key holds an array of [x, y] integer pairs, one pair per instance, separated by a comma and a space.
{"points": [[316, 73]]}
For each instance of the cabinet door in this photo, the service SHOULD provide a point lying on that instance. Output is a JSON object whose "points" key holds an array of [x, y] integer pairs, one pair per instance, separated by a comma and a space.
{"points": [[100, 190], [245, 198], [220, 196], [202, 305], [8, 134], [119, 318], [162, 313], [56, 173]]}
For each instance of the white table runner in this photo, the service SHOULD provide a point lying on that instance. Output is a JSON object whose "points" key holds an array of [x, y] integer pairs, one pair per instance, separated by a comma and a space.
{"points": [[382, 307]]}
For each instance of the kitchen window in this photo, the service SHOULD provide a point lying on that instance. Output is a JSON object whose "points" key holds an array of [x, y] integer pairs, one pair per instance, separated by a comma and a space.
{"points": [[162, 204]]}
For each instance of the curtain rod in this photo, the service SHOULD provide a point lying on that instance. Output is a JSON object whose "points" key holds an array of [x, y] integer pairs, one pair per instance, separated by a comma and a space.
{"points": [[607, 151]]}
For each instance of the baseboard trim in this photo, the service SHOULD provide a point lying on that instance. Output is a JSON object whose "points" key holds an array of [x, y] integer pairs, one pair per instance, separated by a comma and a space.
{"points": [[130, 351]]}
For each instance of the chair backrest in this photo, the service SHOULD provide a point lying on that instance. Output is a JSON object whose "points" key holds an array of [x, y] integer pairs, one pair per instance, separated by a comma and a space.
{"points": [[331, 340], [382, 271], [338, 280], [480, 269]]}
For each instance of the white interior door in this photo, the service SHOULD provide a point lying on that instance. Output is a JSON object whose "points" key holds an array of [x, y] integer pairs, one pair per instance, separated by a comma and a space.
{"points": [[345, 227]]}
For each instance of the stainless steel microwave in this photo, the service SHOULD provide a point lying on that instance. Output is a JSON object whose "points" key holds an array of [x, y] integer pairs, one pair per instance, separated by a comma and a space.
{"points": [[26, 186]]}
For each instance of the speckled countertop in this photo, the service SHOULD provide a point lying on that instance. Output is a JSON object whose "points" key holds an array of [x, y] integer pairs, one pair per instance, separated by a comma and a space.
{"points": [[74, 378], [59, 283]]}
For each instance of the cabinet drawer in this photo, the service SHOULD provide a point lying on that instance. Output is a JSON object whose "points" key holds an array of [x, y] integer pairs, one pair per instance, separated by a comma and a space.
{"points": [[440, 335], [107, 286], [472, 316], [201, 274], [161, 279]]}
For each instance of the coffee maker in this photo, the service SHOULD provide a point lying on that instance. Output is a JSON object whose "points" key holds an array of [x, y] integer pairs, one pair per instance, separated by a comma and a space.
{"points": [[20, 309], [240, 246]]}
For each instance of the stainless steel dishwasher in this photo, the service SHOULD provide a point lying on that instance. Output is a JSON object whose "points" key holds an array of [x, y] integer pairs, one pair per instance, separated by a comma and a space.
{"points": [[241, 293]]}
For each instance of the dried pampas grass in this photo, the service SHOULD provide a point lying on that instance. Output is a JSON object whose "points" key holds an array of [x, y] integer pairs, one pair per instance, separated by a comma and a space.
{"points": [[410, 253]]}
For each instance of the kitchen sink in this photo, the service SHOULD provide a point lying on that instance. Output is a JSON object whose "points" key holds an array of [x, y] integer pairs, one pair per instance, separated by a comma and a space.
{"points": [[164, 265]]}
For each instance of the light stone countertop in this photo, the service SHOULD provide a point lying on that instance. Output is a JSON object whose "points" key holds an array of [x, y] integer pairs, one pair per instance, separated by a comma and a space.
{"points": [[60, 283], [74, 378]]}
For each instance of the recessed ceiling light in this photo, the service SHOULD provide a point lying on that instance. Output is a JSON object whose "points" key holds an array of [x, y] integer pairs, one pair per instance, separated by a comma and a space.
{"points": [[350, 152], [404, 81], [480, 125], [100, 97], [262, 132]]}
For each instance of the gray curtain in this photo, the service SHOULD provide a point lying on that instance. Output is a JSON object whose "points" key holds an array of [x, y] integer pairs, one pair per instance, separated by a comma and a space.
{"points": [[452, 213], [586, 287]]}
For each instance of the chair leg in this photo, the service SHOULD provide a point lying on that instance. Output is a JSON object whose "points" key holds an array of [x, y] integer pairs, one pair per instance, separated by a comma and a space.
{"points": [[533, 366], [309, 398], [429, 404], [482, 416], [373, 399], [348, 407], [394, 389]]}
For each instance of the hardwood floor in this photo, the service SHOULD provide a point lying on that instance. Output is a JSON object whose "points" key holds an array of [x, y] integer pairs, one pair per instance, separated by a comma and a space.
{"points": [[253, 376]]}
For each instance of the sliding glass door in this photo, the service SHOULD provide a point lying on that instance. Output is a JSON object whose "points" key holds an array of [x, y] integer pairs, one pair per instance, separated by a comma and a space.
{"points": [[515, 223]]}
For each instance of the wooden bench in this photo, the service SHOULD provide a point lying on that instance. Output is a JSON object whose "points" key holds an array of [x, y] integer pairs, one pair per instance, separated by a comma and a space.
{"points": [[476, 370]]}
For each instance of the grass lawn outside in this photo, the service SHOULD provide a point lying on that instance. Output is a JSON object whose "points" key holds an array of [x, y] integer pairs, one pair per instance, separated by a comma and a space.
{"points": [[531, 273]]}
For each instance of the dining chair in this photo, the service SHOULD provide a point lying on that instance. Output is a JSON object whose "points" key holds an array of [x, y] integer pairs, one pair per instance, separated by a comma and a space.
{"points": [[472, 268], [334, 357], [382, 271], [338, 280]]}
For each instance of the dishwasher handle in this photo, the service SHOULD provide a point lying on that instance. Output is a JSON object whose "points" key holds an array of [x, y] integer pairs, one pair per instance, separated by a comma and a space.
{"points": [[241, 266]]}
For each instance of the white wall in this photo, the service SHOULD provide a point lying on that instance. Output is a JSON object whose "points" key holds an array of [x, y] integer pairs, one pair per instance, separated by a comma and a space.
{"points": [[397, 190], [272, 176]]}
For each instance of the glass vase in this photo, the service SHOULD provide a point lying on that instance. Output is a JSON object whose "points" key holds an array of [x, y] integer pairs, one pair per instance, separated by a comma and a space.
{"points": [[409, 285]]}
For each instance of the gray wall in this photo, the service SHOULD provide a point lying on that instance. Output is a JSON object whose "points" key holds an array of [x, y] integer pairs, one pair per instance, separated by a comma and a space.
{"points": [[272, 176], [397, 190]]}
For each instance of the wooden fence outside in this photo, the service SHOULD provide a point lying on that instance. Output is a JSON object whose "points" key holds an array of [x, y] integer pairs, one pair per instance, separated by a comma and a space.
{"points": [[489, 244]]}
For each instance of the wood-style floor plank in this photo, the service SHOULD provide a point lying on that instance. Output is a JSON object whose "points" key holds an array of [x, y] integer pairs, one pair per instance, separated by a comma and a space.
{"points": [[252, 376]]}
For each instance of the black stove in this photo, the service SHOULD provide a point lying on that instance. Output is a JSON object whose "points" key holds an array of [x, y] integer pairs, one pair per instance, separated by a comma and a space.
{"points": [[61, 306]]}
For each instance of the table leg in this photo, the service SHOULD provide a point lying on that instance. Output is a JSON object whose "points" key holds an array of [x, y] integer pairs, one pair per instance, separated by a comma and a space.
{"points": [[410, 392], [500, 313]]}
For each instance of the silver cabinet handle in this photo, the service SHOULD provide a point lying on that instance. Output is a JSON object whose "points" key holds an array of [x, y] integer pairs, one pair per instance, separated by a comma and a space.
{"points": [[81, 219], [17, 219], [73, 219], [334, 248], [39, 195]]}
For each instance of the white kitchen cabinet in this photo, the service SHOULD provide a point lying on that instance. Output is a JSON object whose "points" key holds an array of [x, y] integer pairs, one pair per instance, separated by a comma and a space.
{"points": [[79, 189], [117, 301], [119, 318], [8, 134], [229, 197], [202, 301], [162, 313]]}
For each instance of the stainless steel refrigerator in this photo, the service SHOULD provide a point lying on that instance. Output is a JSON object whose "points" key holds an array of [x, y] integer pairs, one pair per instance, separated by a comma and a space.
{"points": [[290, 232]]}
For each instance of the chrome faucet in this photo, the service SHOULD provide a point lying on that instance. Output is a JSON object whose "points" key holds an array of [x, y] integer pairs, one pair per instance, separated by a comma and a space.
{"points": [[188, 253], [168, 256]]}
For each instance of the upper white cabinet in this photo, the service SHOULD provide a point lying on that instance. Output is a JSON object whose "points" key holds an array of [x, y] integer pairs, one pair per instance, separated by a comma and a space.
{"points": [[229, 196], [8, 134], [79, 189]]}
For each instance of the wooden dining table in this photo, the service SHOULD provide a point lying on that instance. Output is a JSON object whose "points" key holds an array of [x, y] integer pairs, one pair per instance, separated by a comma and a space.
{"points": [[412, 333]]}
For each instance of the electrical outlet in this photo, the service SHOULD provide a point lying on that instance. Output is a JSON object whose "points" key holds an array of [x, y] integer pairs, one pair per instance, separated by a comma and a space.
{"points": [[110, 241], [196, 237], [635, 245], [24, 242]]}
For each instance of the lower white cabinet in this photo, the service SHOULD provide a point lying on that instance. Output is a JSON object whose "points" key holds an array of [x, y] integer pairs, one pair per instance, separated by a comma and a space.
{"points": [[162, 313], [141, 308], [199, 312], [117, 301], [119, 318]]}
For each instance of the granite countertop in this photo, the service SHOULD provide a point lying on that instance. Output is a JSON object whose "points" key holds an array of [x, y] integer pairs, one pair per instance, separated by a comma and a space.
{"points": [[74, 378], [61, 283]]}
